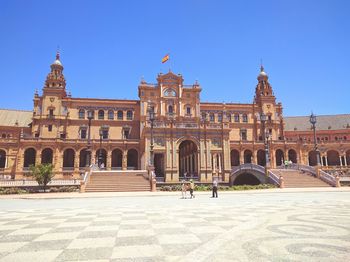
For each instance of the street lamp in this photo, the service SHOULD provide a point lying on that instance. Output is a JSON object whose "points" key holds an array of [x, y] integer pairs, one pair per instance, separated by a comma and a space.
{"points": [[265, 138], [100, 151], [88, 151], [313, 121], [151, 119]]}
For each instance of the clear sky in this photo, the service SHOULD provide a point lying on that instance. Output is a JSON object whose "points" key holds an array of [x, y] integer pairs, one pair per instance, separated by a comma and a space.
{"points": [[107, 46]]}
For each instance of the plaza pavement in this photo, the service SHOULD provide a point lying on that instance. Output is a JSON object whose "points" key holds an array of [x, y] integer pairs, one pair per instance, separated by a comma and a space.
{"points": [[264, 225]]}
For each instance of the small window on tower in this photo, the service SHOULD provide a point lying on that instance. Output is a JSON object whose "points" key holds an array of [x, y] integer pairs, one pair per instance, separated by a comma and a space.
{"points": [[49, 128]]}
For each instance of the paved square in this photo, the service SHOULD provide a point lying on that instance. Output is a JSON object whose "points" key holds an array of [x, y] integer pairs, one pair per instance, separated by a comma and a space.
{"points": [[263, 226]]}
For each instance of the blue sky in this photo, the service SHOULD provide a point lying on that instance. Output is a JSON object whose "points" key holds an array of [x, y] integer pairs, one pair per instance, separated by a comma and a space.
{"points": [[107, 46]]}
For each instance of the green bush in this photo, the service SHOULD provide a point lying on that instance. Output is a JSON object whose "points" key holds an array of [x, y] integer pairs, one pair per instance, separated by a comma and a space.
{"points": [[63, 189], [12, 190]]}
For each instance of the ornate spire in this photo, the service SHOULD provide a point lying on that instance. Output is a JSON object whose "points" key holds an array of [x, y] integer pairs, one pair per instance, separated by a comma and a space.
{"points": [[55, 79], [263, 88]]}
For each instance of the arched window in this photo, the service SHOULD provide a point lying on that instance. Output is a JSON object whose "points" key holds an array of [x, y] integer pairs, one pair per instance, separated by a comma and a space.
{"points": [[170, 92], [120, 115], [228, 117], [211, 117], [110, 114], [245, 118], [188, 110], [101, 114], [170, 109], [220, 117], [81, 114], [237, 118], [129, 115]]}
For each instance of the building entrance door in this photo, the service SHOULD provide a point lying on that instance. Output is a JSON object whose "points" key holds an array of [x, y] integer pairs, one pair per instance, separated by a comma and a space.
{"points": [[159, 164], [188, 159]]}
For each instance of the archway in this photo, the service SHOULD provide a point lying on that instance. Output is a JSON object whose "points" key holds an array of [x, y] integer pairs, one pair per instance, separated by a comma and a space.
{"points": [[188, 162], [313, 158], [132, 159], [29, 157], [117, 159], [248, 156], [234, 157], [348, 158], [246, 179], [2, 159], [333, 158], [261, 157], [46, 156], [83, 157], [292, 156], [68, 158], [159, 164], [279, 157], [101, 157]]}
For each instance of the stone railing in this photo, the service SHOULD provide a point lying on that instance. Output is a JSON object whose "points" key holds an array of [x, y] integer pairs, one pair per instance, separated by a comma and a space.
{"points": [[248, 166], [275, 179], [329, 179], [304, 168]]}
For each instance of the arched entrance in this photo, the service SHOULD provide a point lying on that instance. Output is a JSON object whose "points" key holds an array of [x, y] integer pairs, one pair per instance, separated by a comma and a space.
{"points": [[188, 162], [248, 156], [313, 158], [132, 159], [234, 157], [2, 159], [261, 157], [348, 158], [246, 179], [333, 158], [117, 159], [279, 157], [292, 156], [68, 159], [29, 157], [83, 157], [159, 164], [46, 156], [101, 157]]}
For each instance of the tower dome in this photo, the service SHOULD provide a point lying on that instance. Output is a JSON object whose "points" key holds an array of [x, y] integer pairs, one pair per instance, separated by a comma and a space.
{"points": [[262, 75]]}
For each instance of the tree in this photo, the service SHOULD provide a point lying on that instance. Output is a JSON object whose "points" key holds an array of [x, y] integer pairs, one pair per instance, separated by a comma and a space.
{"points": [[42, 173]]}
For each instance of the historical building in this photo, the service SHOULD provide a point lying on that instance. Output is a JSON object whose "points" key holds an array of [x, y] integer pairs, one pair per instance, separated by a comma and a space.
{"points": [[190, 137]]}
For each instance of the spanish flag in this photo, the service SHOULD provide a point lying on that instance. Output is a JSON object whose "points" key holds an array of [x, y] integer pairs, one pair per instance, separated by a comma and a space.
{"points": [[165, 58]]}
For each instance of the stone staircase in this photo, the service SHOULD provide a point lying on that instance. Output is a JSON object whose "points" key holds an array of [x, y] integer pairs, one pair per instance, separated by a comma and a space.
{"points": [[296, 179], [117, 181]]}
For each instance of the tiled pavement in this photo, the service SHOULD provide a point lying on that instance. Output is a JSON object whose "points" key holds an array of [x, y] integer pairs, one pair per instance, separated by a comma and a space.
{"points": [[246, 227]]}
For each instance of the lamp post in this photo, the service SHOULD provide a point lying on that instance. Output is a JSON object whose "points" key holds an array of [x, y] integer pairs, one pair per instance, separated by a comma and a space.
{"points": [[100, 151], [88, 151], [151, 119], [313, 121], [265, 138]]}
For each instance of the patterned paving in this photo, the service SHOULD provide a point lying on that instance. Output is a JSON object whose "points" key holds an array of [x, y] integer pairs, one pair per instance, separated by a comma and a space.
{"points": [[245, 227]]}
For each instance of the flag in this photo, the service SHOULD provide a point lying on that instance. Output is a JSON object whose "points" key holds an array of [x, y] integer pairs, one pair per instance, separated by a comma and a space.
{"points": [[165, 58]]}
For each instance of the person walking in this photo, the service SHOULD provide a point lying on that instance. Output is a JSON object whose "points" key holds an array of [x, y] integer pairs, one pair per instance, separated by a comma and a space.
{"points": [[183, 189], [215, 188], [192, 188]]}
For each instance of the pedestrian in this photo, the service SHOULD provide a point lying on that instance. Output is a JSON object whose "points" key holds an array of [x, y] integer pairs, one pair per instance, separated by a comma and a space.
{"points": [[215, 188], [183, 189], [286, 162], [192, 188]]}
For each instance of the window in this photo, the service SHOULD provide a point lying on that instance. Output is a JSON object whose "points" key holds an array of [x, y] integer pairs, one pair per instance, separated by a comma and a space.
{"points": [[204, 116], [211, 117], [37, 135], [269, 118], [105, 134], [51, 112], [3, 136], [170, 109], [188, 110], [228, 117], [244, 134], [129, 115], [81, 114], [83, 133], [220, 117], [245, 118], [120, 115], [110, 114], [237, 118], [101, 114], [126, 132], [63, 135], [49, 128], [170, 92]]}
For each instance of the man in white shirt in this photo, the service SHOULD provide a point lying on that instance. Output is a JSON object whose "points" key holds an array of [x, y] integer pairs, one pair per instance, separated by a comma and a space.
{"points": [[215, 188]]}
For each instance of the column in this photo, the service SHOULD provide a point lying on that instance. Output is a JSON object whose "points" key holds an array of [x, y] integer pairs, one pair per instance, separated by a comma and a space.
{"points": [[322, 162], [341, 160], [37, 157], [326, 158], [109, 160], [125, 160], [241, 157], [76, 161], [6, 160], [345, 164], [220, 168]]}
